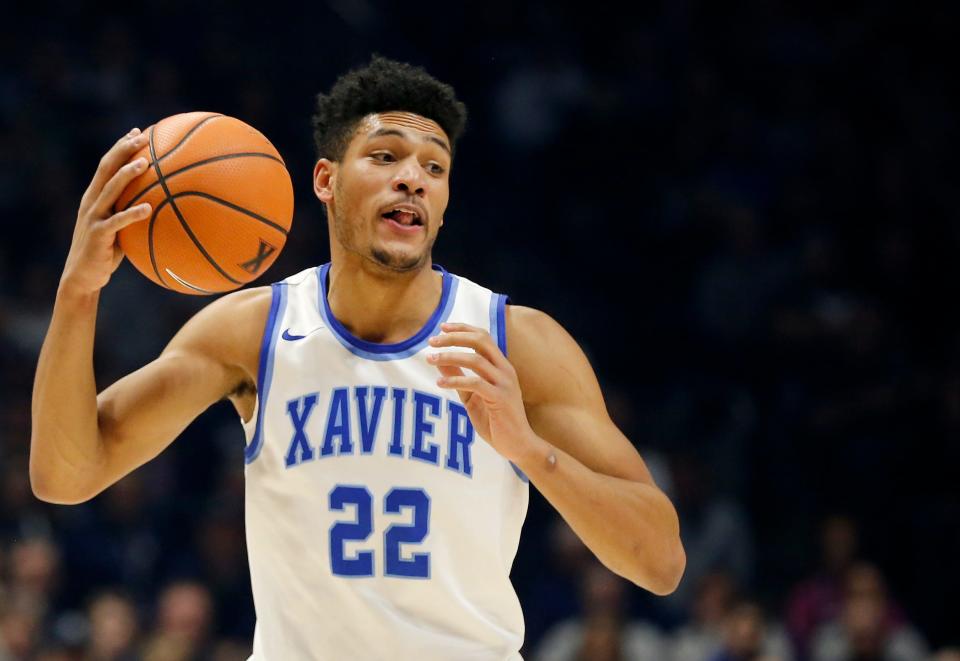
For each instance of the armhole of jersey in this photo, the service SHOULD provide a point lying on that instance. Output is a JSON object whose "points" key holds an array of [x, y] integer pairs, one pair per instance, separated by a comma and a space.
{"points": [[498, 320], [265, 370], [498, 329]]}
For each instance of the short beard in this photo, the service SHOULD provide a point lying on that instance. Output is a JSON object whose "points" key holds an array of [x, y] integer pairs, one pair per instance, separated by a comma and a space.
{"points": [[379, 256], [398, 263]]}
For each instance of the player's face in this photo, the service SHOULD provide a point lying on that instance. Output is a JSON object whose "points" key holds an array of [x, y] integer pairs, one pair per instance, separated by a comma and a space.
{"points": [[388, 194]]}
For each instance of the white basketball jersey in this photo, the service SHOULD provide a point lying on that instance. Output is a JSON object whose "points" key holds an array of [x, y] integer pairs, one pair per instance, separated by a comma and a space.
{"points": [[380, 525]]}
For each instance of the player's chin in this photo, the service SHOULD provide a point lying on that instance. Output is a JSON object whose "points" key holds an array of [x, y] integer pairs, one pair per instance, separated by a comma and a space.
{"points": [[400, 258]]}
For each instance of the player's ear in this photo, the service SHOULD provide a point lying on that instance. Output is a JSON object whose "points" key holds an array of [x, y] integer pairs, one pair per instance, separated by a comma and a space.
{"points": [[323, 175]]}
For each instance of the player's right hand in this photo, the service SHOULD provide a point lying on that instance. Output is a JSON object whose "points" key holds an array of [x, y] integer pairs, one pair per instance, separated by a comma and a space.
{"points": [[94, 252]]}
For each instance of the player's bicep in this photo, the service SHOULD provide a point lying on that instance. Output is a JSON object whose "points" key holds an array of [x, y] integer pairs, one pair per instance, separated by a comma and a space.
{"points": [[146, 410], [593, 439], [209, 357], [562, 396]]}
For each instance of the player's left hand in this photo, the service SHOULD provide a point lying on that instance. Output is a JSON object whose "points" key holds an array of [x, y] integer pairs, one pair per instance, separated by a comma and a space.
{"points": [[492, 397]]}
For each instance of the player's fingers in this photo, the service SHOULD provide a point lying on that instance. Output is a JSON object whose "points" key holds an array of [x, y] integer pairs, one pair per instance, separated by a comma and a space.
{"points": [[447, 370], [103, 207], [96, 183], [471, 384], [472, 361], [458, 326], [127, 217], [116, 156], [476, 339]]}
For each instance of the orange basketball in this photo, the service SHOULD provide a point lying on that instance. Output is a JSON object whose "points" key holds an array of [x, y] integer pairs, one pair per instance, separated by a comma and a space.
{"points": [[221, 199]]}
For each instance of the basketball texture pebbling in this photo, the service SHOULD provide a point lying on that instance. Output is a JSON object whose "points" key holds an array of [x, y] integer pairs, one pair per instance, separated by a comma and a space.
{"points": [[221, 204]]}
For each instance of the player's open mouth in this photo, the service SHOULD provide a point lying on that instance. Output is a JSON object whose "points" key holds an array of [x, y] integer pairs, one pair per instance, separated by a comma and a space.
{"points": [[403, 217], [403, 220]]}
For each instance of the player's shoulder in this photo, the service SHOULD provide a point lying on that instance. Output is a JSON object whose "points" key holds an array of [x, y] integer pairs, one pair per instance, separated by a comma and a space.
{"points": [[229, 329], [533, 336], [528, 327], [243, 306], [523, 319], [251, 306], [547, 358], [234, 323]]}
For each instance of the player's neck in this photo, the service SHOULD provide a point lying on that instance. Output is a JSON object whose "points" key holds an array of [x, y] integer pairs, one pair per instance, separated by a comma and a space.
{"points": [[382, 307]]}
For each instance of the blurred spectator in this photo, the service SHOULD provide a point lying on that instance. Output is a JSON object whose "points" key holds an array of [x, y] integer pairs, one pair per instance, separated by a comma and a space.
{"points": [[34, 568], [947, 654], [56, 653], [818, 598], [603, 632], [184, 616], [749, 636], [114, 629], [20, 628], [230, 650], [220, 545], [21, 515], [534, 100], [701, 638], [737, 282], [556, 596], [715, 531], [114, 540], [868, 627]]}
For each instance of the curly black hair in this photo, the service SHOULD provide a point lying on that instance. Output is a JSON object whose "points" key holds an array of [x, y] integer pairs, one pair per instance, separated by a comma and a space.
{"points": [[383, 85]]}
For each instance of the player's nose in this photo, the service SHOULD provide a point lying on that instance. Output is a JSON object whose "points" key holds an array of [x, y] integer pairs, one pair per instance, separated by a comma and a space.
{"points": [[409, 178]]}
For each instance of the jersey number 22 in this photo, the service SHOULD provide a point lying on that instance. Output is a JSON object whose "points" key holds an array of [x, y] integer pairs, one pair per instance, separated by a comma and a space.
{"points": [[395, 502]]}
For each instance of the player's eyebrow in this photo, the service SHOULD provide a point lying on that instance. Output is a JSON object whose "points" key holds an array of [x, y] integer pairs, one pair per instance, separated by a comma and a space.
{"points": [[397, 132]]}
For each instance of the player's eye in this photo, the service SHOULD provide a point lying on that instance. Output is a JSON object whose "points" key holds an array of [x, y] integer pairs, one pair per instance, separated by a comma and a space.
{"points": [[382, 156], [435, 168]]}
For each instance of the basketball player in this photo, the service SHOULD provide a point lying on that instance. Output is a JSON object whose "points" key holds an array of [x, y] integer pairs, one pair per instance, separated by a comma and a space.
{"points": [[390, 438]]}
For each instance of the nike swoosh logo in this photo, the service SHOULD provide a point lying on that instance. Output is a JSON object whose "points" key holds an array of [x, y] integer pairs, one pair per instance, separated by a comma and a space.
{"points": [[290, 337]]}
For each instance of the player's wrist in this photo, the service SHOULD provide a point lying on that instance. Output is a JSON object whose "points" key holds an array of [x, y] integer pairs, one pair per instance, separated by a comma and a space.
{"points": [[75, 293], [535, 454]]}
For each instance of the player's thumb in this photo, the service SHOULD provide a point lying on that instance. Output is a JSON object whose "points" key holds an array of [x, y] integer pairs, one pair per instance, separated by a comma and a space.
{"points": [[117, 257]]}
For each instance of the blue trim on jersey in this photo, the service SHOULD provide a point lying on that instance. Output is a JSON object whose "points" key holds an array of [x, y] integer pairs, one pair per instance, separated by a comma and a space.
{"points": [[498, 329], [520, 473], [494, 299], [502, 301], [265, 372], [498, 320], [398, 350]]}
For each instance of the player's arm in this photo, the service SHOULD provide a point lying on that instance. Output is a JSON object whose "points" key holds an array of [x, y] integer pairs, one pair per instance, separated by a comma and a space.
{"points": [[82, 443], [598, 482], [543, 410]]}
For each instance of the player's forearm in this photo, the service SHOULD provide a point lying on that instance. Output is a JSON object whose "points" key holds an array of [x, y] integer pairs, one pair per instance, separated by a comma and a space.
{"points": [[64, 444], [631, 527]]}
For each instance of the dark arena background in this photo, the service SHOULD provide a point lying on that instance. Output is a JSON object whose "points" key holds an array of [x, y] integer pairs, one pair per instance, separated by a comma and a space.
{"points": [[746, 213]]}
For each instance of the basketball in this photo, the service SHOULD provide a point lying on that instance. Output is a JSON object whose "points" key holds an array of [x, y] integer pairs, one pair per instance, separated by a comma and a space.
{"points": [[221, 204]]}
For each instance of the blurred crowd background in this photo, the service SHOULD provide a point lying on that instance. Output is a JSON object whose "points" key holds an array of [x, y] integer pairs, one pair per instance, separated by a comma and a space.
{"points": [[743, 211]]}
